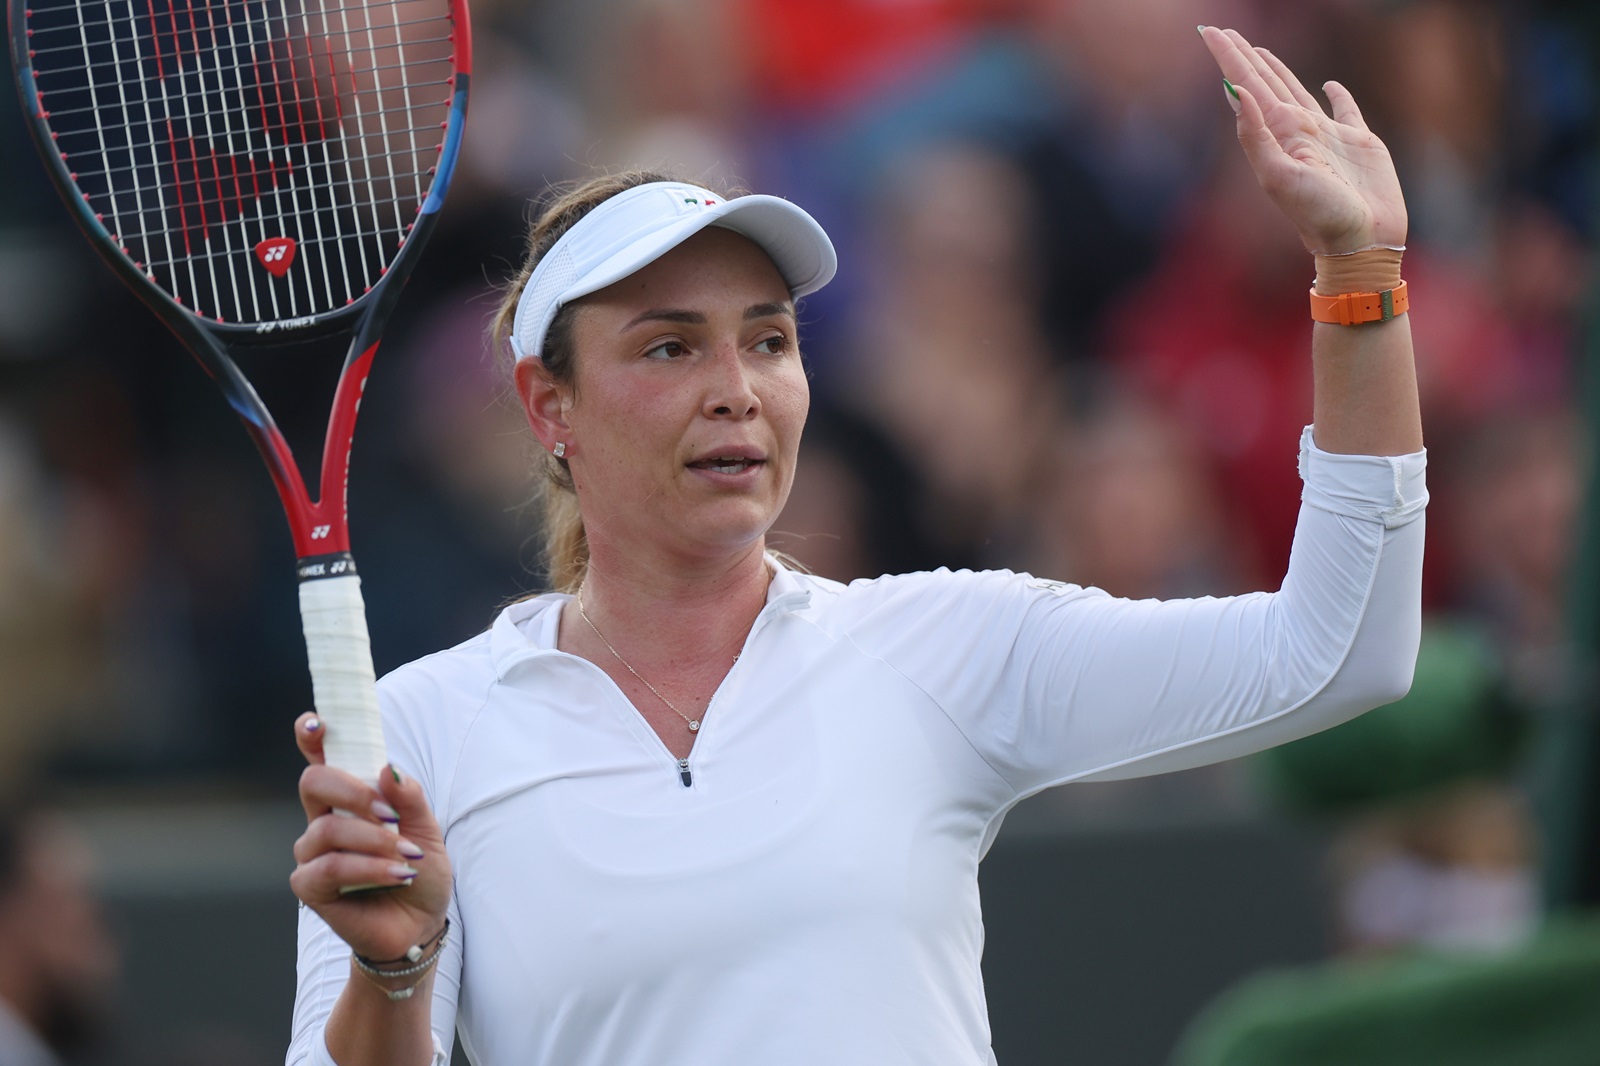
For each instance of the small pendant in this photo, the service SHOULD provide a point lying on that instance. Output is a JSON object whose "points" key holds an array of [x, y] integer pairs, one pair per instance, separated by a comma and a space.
{"points": [[694, 725]]}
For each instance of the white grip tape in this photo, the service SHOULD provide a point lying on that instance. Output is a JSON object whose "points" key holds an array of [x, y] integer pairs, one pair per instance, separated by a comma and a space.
{"points": [[342, 680]]}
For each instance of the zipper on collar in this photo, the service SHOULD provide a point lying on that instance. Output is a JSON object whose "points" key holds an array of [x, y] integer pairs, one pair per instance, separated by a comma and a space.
{"points": [[787, 602]]}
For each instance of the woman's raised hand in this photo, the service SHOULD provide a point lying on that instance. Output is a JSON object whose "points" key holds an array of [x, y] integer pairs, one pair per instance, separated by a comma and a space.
{"points": [[1332, 176], [338, 850]]}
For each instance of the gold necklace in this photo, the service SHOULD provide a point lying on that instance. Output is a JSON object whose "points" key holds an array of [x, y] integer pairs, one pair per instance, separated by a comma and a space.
{"points": [[693, 723]]}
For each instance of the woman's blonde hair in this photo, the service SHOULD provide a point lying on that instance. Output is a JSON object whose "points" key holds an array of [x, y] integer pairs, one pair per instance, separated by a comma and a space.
{"points": [[566, 547]]}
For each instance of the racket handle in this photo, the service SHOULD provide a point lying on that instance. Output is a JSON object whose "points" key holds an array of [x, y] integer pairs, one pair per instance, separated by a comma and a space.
{"points": [[335, 621]]}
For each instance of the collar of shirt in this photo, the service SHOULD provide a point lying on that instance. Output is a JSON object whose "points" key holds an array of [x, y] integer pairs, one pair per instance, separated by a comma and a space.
{"points": [[528, 628]]}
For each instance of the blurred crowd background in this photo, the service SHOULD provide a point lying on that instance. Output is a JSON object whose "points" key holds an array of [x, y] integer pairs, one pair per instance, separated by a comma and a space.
{"points": [[1068, 335]]}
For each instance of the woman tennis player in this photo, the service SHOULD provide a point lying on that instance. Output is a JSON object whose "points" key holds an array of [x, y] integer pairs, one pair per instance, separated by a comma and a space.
{"points": [[701, 808]]}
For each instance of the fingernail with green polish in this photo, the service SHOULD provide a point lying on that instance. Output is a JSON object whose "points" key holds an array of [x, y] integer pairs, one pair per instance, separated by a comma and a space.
{"points": [[1200, 28], [396, 773], [1231, 90]]}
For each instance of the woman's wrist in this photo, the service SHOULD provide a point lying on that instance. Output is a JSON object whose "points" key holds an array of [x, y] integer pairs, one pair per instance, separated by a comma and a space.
{"points": [[1373, 269], [401, 977]]}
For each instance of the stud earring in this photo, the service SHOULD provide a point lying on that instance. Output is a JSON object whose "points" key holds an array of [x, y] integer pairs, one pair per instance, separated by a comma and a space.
{"points": [[560, 449]]}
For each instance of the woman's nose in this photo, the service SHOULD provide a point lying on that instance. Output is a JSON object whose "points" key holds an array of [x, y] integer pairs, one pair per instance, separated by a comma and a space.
{"points": [[730, 393]]}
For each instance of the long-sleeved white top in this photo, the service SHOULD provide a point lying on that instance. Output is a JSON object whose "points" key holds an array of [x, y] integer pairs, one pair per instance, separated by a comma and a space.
{"points": [[804, 888]]}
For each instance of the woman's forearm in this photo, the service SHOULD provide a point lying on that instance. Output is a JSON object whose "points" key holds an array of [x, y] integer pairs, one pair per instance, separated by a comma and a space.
{"points": [[367, 1028], [1366, 388]]}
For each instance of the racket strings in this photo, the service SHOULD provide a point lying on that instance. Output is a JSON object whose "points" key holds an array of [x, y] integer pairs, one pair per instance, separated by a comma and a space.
{"points": [[259, 159], [288, 134], [138, 39], [222, 198]]}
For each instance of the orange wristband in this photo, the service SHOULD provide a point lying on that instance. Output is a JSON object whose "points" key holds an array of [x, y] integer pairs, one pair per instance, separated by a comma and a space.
{"points": [[1355, 308]]}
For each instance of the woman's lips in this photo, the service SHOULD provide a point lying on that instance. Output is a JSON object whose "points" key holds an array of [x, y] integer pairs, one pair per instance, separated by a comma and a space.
{"points": [[729, 464]]}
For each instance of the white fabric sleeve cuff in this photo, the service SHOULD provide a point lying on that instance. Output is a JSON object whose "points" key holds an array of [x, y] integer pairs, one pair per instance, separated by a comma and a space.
{"points": [[1379, 488], [321, 1056]]}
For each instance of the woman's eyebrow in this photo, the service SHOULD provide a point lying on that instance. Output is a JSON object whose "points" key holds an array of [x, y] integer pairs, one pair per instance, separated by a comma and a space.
{"points": [[767, 310], [697, 318], [666, 314]]}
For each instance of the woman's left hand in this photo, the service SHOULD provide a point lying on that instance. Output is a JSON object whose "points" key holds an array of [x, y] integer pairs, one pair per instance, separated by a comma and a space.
{"points": [[1332, 176]]}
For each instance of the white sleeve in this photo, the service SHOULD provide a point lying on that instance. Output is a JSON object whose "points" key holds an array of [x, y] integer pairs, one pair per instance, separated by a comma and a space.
{"points": [[1052, 683], [1243, 674], [323, 969]]}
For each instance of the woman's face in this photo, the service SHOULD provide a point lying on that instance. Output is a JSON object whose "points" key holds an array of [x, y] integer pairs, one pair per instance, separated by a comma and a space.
{"points": [[689, 400]]}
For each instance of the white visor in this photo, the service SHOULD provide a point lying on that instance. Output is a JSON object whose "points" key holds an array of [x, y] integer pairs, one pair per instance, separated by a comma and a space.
{"points": [[637, 227]]}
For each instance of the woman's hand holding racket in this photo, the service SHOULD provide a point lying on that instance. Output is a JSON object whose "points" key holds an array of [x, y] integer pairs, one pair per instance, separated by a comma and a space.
{"points": [[1329, 174], [340, 851]]}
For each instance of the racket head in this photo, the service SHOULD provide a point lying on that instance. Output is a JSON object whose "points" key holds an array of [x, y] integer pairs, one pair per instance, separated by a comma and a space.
{"points": [[258, 168], [257, 171]]}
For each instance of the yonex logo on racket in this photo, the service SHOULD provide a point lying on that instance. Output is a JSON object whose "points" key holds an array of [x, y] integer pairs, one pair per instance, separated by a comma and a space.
{"points": [[287, 323], [276, 254]]}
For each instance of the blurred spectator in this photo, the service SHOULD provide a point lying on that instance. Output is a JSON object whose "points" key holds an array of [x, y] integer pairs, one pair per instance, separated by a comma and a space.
{"points": [[1453, 871], [45, 639], [853, 509], [1133, 137], [448, 477], [840, 92], [135, 659], [1226, 356], [59, 965], [1140, 118], [951, 363], [1441, 107], [1133, 510], [669, 90], [1543, 274], [1512, 499], [827, 54]]}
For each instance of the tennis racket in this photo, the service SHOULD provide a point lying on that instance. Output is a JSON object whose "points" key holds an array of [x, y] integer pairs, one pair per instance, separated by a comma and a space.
{"points": [[262, 172]]}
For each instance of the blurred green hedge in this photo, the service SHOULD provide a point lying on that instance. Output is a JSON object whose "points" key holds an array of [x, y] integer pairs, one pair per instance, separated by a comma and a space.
{"points": [[1537, 1006]]}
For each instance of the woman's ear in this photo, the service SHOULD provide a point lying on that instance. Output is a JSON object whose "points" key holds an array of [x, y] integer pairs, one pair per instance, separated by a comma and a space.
{"points": [[544, 402]]}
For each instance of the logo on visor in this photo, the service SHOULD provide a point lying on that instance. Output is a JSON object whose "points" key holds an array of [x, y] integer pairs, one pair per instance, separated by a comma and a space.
{"points": [[707, 202]]}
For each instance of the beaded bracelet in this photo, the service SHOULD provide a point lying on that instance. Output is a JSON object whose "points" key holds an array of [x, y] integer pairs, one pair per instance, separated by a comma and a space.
{"points": [[375, 975]]}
